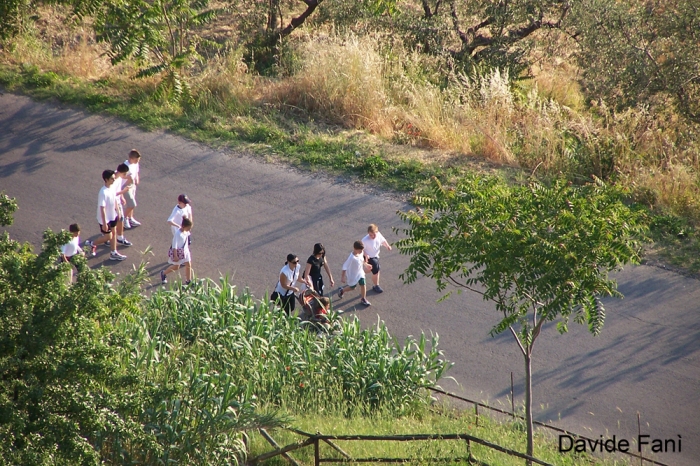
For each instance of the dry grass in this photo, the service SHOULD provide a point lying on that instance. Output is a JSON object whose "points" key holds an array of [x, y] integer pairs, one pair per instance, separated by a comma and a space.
{"points": [[400, 96], [340, 80]]}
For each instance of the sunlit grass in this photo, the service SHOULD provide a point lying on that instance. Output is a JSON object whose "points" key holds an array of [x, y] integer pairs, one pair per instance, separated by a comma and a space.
{"points": [[428, 421]]}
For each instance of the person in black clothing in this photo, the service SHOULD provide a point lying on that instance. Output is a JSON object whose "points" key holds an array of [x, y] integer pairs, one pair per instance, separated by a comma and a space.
{"points": [[314, 264]]}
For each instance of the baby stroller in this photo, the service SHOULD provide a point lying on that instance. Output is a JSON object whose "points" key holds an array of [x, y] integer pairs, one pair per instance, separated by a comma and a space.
{"points": [[315, 307]]}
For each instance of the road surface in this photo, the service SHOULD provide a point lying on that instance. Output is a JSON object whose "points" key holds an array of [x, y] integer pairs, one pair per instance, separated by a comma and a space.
{"points": [[249, 215]]}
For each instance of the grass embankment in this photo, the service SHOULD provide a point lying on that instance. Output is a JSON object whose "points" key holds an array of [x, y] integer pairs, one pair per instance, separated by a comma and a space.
{"points": [[435, 421], [207, 344], [367, 109]]}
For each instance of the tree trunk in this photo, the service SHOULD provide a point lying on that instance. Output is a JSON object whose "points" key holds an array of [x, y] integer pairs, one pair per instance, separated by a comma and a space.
{"points": [[528, 401], [272, 15]]}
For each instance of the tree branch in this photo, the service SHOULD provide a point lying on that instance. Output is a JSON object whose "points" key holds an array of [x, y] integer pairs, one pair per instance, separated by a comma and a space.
{"points": [[517, 339], [466, 287], [311, 6], [471, 41], [426, 9]]}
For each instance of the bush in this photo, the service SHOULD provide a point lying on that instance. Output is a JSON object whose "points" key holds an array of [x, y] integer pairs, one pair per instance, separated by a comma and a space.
{"points": [[60, 381]]}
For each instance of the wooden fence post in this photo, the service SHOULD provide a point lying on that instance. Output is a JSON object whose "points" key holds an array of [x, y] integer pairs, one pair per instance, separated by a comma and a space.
{"points": [[317, 453], [512, 400]]}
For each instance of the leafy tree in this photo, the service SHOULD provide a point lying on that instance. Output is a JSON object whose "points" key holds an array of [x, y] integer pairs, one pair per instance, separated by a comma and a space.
{"points": [[59, 378], [12, 16], [538, 253], [161, 35], [83, 381], [481, 33], [641, 52]]}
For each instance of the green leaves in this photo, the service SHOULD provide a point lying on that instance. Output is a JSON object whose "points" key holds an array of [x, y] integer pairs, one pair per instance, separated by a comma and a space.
{"points": [[640, 53], [58, 373], [160, 36], [8, 206], [538, 252]]}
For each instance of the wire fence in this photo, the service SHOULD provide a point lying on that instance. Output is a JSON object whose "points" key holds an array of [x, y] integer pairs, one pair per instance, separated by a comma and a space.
{"points": [[512, 414], [317, 439]]}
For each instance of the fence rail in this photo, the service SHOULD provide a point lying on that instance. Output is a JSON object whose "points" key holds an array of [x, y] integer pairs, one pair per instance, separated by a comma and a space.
{"points": [[316, 439], [539, 423]]}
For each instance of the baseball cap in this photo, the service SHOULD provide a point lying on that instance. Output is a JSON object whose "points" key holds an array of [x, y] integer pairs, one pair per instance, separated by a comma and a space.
{"points": [[184, 199]]}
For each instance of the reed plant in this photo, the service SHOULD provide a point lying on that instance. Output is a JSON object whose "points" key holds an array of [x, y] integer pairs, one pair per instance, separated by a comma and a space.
{"points": [[284, 364], [214, 363]]}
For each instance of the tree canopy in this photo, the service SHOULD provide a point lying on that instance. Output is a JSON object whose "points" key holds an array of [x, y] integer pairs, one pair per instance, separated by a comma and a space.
{"points": [[539, 253]]}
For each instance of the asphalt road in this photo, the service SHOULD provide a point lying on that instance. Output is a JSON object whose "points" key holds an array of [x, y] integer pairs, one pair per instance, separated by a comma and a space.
{"points": [[249, 215]]}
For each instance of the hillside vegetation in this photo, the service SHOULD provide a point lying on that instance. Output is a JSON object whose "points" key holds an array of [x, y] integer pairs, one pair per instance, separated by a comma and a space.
{"points": [[397, 91], [92, 371]]}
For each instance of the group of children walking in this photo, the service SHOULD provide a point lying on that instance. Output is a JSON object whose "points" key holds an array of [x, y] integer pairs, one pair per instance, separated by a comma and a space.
{"points": [[363, 258], [116, 202]]}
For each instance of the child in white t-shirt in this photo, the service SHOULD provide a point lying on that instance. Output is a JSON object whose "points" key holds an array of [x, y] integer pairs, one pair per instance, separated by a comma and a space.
{"points": [[183, 209], [132, 162], [179, 253], [122, 181], [354, 273], [373, 242], [72, 248]]}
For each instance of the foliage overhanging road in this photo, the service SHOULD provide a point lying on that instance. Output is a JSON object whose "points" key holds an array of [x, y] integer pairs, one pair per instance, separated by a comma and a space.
{"points": [[249, 215]]}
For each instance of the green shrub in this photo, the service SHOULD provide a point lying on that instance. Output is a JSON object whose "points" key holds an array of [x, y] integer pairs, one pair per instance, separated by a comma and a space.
{"points": [[60, 381]]}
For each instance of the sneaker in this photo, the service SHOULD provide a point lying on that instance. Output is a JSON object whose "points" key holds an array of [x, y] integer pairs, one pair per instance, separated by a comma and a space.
{"points": [[91, 245], [187, 283], [127, 224], [340, 292], [365, 303], [377, 289], [115, 256], [106, 243], [124, 241], [163, 278], [134, 222]]}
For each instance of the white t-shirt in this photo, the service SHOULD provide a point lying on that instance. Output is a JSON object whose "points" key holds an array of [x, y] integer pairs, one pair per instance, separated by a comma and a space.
{"points": [[133, 169], [121, 183], [107, 198], [372, 246], [180, 242], [354, 268], [292, 276], [178, 214], [72, 247]]}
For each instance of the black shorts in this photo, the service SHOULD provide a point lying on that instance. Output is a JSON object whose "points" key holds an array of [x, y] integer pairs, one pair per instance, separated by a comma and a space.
{"points": [[110, 225], [374, 261], [317, 282]]}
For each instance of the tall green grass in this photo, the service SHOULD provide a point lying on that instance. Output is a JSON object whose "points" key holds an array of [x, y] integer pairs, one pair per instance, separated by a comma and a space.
{"points": [[434, 420], [213, 363], [284, 363]]}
